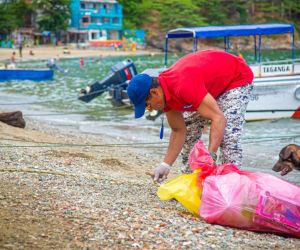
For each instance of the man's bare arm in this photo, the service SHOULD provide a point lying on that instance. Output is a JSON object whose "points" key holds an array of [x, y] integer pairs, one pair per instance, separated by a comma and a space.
{"points": [[210, 110], [177, 137]]}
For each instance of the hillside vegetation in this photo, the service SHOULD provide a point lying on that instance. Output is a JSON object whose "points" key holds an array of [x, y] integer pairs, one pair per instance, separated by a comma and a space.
{"points": [[158, 16]]}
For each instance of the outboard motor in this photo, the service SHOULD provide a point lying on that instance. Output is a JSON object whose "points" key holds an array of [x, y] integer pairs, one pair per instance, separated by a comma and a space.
{"points": [[118, 95], [118, 74]]}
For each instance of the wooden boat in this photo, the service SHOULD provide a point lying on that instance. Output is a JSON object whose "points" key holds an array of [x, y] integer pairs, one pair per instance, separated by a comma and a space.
{"points": [[26, 74]]}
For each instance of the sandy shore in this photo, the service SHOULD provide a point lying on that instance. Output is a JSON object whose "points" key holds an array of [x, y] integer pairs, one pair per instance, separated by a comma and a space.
{"points": [[57, 192], [47, 52]]}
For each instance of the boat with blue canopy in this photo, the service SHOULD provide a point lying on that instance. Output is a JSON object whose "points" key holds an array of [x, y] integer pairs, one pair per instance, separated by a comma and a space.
{"points": [[274, 81], [255, 30], [277, 83]]}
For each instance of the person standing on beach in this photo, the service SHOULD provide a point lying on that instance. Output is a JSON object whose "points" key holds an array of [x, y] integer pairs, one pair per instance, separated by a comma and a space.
{"points": [[204, 86], [20, 44], [20, 49]]}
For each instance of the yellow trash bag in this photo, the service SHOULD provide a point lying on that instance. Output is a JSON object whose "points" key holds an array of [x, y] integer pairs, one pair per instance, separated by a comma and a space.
{"points": [[184, 189]]}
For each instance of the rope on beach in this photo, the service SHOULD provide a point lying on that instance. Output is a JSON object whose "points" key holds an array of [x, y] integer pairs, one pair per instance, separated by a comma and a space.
{"points": [[62, 174], [51, 144], [160, 144]]}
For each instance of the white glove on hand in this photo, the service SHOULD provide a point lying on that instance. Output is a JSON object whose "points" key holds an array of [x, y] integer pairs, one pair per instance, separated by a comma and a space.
{"points": [[161, 172]]}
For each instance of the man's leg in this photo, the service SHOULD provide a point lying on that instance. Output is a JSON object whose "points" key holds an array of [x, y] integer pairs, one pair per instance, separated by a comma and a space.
{"points": [[234, 104], [194, 124]]}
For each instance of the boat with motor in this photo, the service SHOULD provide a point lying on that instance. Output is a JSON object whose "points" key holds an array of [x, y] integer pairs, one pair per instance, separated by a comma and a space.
{"points": [[26, 74], [276, 84], [115, 83]]}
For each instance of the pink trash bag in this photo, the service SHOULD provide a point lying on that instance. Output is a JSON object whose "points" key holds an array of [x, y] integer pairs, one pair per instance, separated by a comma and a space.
{"points": [[242, 199]]}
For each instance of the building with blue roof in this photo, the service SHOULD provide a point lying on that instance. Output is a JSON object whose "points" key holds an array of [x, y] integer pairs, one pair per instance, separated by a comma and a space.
{"points": [[95, 20]]}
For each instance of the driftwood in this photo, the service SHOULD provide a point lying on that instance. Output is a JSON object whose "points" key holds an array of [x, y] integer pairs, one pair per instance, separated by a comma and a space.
{"points": [[13, 118]]}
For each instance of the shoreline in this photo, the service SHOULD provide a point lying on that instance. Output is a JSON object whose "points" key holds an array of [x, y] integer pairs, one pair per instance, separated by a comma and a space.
{"points": [[56, 196], [64, 188], [47, 52]]}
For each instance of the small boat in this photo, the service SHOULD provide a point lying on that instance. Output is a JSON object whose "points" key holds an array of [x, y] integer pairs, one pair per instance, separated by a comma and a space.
{"points": [[277, 84], [26, 74]]}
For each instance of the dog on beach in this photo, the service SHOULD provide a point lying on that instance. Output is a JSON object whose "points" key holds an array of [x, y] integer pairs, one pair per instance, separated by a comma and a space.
{"points": [[289, 159]]}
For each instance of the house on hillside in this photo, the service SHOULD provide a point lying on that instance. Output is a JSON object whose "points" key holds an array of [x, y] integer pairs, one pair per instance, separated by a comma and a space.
{"points": [[95, 20]]}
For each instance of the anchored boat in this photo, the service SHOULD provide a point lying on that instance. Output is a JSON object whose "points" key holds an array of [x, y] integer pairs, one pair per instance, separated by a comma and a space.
{"points": [[26, 74], [277, 84]]}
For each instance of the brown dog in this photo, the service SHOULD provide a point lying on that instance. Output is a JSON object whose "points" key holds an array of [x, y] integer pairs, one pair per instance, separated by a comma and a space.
{"points": [[289, 159]]}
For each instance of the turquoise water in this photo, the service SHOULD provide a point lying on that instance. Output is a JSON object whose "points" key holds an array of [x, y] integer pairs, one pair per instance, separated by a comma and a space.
{"points": [[57, 101], [62, 92]]}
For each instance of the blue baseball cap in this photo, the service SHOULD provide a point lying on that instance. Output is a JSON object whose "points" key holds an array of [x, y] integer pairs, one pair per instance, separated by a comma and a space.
{"points": [[137, 91]]}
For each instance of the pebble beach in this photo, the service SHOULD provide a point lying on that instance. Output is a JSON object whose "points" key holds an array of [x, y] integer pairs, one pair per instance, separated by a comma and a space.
{"points": [[59, 192], [61, 188]]}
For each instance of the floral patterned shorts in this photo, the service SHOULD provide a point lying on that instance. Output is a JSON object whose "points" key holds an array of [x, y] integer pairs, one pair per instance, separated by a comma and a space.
{"points": [[233, 104]]}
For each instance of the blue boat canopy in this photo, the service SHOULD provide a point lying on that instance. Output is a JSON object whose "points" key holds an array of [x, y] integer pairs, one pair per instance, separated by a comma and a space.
{"points": [[229, 31], [235, 30]]}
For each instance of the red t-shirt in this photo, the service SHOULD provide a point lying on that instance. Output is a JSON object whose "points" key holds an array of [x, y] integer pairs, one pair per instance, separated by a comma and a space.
{"points": [[187, 82]]}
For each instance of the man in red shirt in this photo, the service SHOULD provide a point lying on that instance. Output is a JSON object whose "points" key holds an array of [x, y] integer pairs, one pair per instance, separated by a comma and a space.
{"points": [[203, 86]]}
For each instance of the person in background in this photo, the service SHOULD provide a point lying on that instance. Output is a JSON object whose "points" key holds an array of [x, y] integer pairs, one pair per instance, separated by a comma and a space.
{"points": [[81, 62], [12, 64], [20, 44], [52, 64], [20, 49], [206, 86], [13, 57]]}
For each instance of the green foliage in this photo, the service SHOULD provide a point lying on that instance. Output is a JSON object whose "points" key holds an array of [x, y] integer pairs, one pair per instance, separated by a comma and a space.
{"points": [[22, 12], [213, 10], [53, 15], [7, 23], [132, 13], [277, 10], [178, 13], [13, 15]]}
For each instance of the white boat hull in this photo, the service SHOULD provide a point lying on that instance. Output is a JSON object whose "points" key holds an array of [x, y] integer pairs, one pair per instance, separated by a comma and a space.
{"points": [[275, 97]]}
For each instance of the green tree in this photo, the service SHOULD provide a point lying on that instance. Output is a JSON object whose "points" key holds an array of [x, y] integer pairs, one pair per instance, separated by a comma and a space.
{"points": [[174, 13], [167, 14], [22, 12], [132, 13], [13, 14], [7, 21], [213, 11], [236, 11], [53, 15]]}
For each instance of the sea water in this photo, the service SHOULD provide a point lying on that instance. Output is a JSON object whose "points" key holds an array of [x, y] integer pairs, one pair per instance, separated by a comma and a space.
{"points": [[56, 101]]}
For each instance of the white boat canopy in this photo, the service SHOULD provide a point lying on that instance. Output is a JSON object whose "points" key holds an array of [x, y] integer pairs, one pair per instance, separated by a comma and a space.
{"points": [[228, 31]]}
